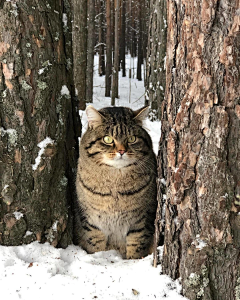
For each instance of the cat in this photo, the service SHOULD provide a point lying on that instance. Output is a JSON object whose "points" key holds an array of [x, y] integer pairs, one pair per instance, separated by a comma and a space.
{"points": [[116, 183]]}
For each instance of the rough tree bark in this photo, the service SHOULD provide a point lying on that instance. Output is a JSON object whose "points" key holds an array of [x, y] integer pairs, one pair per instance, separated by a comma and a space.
{"points": [[123, 39], [140, 41], [156, 53], [101, 37], [116, 56], [80, 49], [108, 78], [200, 148], [39, 124], [90, 50]]}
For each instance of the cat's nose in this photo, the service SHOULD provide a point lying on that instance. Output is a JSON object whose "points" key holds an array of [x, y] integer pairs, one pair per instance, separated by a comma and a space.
{"points": [[121, 152]]}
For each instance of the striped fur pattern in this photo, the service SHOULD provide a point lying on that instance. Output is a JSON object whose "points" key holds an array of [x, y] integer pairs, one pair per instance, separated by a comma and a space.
{"points": [[116, 183]]}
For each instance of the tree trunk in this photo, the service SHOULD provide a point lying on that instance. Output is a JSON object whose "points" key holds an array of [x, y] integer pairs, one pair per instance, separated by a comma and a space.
{"points": [[116, 56], [101, 40], [90, 50], [199, 153], [39, 123], [123, 39], [80, 49], [156, 53], [108, 50], [140, 46]]}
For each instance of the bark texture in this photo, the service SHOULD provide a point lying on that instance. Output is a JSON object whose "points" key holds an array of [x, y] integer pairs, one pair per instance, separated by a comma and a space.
{"points": [[200, 148], [80, 49], [116, 55], [156, 53], [108, 78], [90, 50], [36, 104]]}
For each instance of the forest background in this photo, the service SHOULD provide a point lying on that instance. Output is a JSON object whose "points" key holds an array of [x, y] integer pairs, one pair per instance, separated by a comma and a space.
{"points": [[190, 53]]}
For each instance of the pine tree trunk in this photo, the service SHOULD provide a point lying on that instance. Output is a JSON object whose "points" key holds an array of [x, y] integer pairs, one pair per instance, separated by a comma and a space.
{"points": [[156, 53], [116, 56], [140, 46], [101, 41], [123, 39], [79, 36], [108, 50], [199, 153], [39, 123], [90, 50]]}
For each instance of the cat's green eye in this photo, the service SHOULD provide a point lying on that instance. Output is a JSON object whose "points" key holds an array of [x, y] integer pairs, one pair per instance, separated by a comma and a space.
{"points": [[131, 139], [108, 140]]}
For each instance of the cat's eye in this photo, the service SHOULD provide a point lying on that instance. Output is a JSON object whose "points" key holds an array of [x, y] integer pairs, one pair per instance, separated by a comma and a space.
{"points": [[108, 140], [131, 139]]}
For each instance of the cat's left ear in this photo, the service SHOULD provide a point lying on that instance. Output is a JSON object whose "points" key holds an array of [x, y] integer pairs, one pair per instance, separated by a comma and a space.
{"points": [[141, 114], [93, 116]]}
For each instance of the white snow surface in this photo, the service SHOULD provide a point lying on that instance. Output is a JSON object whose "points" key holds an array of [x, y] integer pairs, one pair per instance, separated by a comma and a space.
{"points": [[40, 271]]}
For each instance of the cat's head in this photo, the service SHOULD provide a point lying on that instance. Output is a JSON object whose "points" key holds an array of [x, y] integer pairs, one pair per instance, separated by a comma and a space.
{"points": [[115, 136]]}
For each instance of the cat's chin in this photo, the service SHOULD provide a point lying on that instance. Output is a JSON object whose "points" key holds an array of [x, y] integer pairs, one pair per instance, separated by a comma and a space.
{"points": [[118, 162]]}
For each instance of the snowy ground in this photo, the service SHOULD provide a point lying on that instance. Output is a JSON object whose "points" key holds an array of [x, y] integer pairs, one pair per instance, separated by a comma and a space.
{"points": [[39, 271]]}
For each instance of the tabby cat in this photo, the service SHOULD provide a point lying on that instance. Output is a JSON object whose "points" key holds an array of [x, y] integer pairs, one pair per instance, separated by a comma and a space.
{"points": [[116, 183]]}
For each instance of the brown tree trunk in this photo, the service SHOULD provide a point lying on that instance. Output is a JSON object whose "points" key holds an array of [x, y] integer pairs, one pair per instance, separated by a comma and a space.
{"points": [[156, 53], [79, 36], [101, 40], [90, 50], [39, 123], [116, 56], [140, 46], [108, 77], [199, 153], [123, 39]]}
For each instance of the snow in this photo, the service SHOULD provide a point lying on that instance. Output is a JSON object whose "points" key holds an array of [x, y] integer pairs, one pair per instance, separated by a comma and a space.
{"points": [[46, 272], [18, 215], [40, 271], [65, 90], [200, 243], [42, 145]]}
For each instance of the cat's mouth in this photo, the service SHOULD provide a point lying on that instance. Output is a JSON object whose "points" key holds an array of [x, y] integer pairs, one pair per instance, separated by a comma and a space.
{"points": [[118, 161]]}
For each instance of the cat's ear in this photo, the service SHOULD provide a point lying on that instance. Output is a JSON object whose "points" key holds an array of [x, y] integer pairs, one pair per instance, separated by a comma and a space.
{"points": [[93, 116], [141, 114]]}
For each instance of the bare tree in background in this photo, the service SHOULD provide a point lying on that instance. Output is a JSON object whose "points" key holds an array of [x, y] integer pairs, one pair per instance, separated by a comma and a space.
{"points": [[80, 48], [156, 55], [90, 50], [116, 56], [108, 50]]}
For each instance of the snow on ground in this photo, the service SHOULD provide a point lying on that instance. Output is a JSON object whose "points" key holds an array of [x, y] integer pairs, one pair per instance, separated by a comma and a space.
{"points": [[40, 271]]}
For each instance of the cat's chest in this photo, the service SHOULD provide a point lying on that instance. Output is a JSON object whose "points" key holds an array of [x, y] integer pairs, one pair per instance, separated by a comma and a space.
{"points": [[116, 184]]}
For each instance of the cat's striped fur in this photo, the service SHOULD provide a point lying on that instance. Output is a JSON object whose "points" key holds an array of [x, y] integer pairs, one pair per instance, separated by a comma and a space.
{"points": [[116, 183]]}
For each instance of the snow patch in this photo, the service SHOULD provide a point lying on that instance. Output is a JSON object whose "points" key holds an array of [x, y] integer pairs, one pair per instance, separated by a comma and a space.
{"points": [[65, 91], [42, 145], [28, 233], [200, 243], [18, 215]]}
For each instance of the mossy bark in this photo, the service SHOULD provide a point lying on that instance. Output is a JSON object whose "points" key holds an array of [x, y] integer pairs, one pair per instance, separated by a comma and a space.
{"points": [[199, 149], [37, 104]]}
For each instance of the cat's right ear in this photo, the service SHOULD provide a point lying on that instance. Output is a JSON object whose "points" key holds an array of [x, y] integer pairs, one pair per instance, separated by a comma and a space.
{"points": [[93, 116]]}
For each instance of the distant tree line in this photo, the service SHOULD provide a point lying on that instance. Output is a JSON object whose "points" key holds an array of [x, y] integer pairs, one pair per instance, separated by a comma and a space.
{"points": [[106, 28]]}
